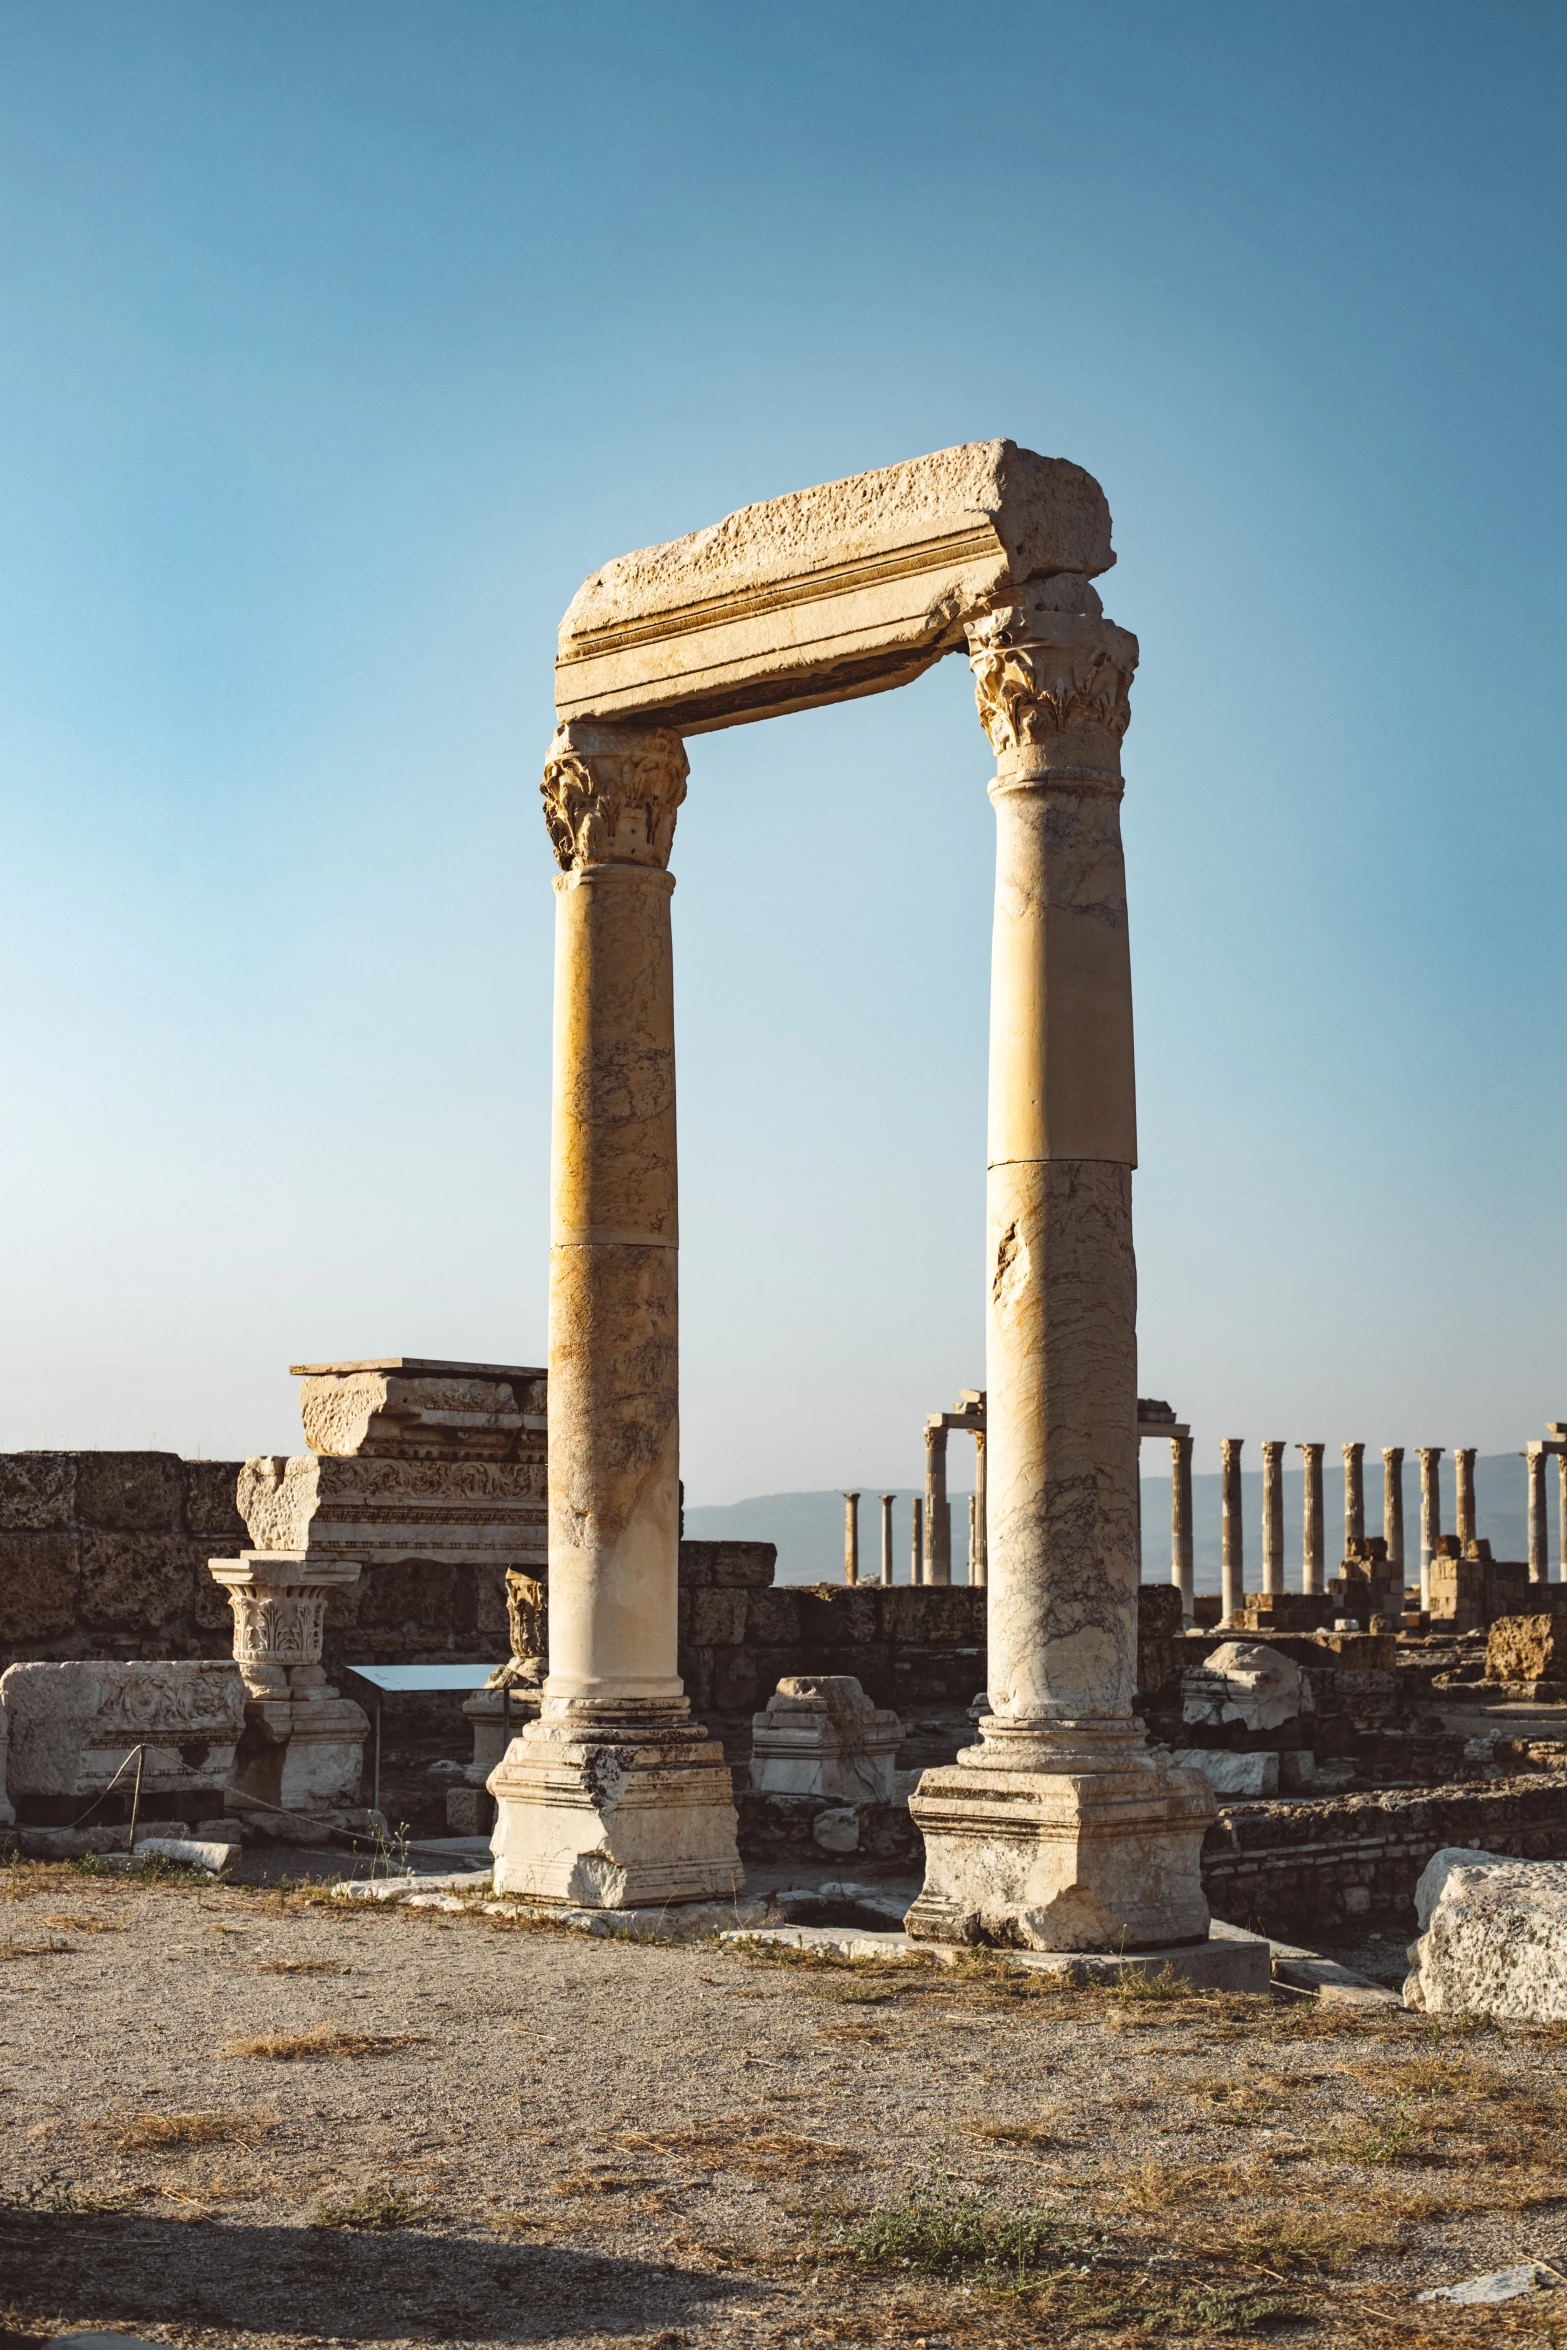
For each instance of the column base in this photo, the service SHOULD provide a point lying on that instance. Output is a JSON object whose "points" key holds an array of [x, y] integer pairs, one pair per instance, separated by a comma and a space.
{"points": [[615, 1808], [1062, 1836]]}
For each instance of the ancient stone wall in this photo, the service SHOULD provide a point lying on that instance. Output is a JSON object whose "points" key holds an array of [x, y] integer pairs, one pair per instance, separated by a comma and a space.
{"points": [[104, 1554], [1302, 1871]]}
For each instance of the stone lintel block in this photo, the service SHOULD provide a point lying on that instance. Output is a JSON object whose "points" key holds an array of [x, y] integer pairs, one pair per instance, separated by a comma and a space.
{"points": [[256, 1570], [411, 1409], [211, 1504], [462, 1512], [1060, 1860], [615, 1817], [833, 592], [38, 1586]]}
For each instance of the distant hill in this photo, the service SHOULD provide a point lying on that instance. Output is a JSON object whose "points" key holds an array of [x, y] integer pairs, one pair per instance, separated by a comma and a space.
{"points": [[808, 1527]]}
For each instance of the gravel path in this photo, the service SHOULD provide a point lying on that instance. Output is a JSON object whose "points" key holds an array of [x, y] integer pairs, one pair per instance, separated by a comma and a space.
{"points": [[497, 2134]]}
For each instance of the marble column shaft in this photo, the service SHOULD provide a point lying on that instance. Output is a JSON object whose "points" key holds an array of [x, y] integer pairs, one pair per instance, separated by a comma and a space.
{"points": [[1539, 1556], [661, 1824], [1428, 1456], [1464, 1494], [851, 1538], [1232, 1528], [1182, 1557], [1393, 1505], [938, 1513], [917, 1543], [979, 1570], [1354, 1496], [1273, 1515], [1060, 1830], [886, 1500], [1311, 1526], [1561, 1515]]}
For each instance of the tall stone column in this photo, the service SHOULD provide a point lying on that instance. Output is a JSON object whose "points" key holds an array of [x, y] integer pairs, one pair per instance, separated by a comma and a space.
{"points": [[917, 1555], [1311, 1518], [1354, 1497], [1561, 1515], [851, 1538], [1232, 1527], [1273, 1516], [1393, 1508], [979, 1567], [938, 1513], [1428, 1456], [614, 1797], [1182, 1567], [886, 1500], [1539, 1556], [1060, 1830], [1464, 1493]]}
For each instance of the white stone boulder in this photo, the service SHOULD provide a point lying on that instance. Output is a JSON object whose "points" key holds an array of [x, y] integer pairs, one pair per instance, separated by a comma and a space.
{"points": [[821, 1735], [1243, 1681], [1495, 1938], [7, 1815]]}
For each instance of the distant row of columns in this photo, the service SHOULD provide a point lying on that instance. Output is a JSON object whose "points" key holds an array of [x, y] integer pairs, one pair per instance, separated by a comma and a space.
{"points": [[1232, 1535], [929, 1562]]}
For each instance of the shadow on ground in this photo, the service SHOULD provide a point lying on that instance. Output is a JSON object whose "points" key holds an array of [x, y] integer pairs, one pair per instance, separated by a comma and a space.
{"points": [[113, 2270]]}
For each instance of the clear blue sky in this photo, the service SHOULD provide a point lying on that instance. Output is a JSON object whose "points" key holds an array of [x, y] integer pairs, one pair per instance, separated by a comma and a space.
{"points": [[343, 340]]}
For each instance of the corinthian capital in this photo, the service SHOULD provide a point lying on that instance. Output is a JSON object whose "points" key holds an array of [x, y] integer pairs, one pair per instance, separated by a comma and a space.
{"points": [[611, 793], [1047, 663]]}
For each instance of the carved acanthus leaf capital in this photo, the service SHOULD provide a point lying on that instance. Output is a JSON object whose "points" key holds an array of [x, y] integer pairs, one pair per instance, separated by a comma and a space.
{"points": [[611, 793], [1047, 662]]}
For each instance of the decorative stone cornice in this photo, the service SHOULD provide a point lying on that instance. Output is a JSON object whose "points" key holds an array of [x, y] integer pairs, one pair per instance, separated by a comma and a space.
{"points": [[611, 793], [1047, 663]]}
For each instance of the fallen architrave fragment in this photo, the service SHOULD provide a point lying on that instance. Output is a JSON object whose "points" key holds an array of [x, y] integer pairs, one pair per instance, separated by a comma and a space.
{"points": [[1507, 2284], [180, 1852]]}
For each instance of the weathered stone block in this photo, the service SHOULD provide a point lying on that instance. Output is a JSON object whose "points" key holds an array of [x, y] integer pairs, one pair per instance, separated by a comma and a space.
{"points": [[141, 1583], [38, 1491], [131, 1492], [772, 1618], [418, 1596], [211, 1510], [38, 1584], [1527, 1648], [717, 1618], [1496, 1941], [838, 1618]]}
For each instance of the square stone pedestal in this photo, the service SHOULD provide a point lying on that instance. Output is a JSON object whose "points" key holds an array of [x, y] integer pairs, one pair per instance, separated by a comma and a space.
{"points": [[821, 1735], [605, 1810], [1099, 1853]]}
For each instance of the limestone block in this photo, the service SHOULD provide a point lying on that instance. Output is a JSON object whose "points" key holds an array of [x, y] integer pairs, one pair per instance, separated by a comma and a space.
{"points": [[489, 1711], [38, 1584], [717, 1618], [141, 1583], [838, 1831], [49, 1712], [615, 1816], [1243, 1681], [1433, 1877], [186, 1716], [841, 590], [461, 1513], [772, 1619], [1527, 1648], [211, 1510], [1233, 1774], [38, 1491], [1496, 1942], [418, 1410], [303, 1754], [7, 1814], [821, 1735], [130, 1492]]}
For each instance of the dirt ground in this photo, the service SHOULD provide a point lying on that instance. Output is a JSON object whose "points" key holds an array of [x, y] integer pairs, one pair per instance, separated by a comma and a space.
{"points": [[258, 2115]]}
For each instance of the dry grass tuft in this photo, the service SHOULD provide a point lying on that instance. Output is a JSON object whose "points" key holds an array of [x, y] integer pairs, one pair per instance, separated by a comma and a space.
{"points": [[752, 2147], [36, 1949], [1035, 2133], [375, 2208], [595, 2182], [173, 2130], [86, 1922], [1298, 2243], [325, 2040], [301, 1966]]}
